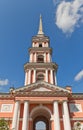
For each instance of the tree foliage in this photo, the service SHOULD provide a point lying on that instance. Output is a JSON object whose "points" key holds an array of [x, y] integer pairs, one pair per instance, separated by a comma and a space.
{"points": [[4, 124], [77, 126]]}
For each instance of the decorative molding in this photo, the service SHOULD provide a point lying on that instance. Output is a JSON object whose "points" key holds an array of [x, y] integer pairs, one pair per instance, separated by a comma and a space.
{"points": [[74, 119], [77, 119], [42, 84], [75, 107], [6, 107]]}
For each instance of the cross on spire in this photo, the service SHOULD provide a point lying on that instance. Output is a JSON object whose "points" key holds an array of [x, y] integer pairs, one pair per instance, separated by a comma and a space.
{"points": [[40, 31]]}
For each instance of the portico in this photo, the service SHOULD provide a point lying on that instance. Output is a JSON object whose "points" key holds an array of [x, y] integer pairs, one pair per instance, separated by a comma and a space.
{"points": [[46, 110]]}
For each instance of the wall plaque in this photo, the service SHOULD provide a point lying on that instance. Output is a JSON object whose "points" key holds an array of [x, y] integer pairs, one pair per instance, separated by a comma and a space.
{"points": [[6, 107]]}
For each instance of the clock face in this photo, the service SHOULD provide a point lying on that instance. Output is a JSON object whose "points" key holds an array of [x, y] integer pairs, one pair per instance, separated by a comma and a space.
{"points": [[75, 107]]}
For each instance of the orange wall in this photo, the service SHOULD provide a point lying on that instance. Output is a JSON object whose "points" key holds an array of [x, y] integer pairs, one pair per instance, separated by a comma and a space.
{"points": [[73, 115]]}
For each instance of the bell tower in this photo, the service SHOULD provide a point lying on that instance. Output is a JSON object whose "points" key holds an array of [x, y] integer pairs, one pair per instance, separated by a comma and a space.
{"points": [[40, 67]]}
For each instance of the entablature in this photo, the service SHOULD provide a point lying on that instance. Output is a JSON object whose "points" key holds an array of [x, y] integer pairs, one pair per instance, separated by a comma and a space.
{"points": [[40, 65], [40, 49], [41, 38]]}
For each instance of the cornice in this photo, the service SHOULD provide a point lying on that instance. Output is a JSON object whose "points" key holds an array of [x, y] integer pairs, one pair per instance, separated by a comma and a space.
{"points": [[76, 96], [41, 94], [70, 96], [40, 65], [40, 39], [40, 49], [6, 96]]}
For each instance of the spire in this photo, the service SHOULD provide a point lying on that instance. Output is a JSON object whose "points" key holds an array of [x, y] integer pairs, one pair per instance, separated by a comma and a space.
{"points": [[40, 31]]}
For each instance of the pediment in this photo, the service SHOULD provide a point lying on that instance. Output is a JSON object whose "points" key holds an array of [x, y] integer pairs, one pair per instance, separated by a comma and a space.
{"points": [[41, 87]]}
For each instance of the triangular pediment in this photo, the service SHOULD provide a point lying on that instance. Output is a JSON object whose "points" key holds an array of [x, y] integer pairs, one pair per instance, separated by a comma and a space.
{"points": [[41, 87]]}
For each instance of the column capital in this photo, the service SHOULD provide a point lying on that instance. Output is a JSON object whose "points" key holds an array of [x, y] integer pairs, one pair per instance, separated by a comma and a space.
{"points": [[64, 101], [17, 100], [56, 101], [26, 101]]}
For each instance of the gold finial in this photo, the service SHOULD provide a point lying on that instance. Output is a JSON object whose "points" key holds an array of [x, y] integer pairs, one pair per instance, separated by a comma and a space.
{"points": [[40, 31]]}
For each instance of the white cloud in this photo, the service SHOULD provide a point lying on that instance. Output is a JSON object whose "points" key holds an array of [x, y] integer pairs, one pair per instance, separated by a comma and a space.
{"points": [[69, 15], [56, 1], [4, 82], [79, 76]]}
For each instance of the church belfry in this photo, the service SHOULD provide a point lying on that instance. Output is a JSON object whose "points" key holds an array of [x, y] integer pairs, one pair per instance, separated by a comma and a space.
{"points": [[40, 66]]}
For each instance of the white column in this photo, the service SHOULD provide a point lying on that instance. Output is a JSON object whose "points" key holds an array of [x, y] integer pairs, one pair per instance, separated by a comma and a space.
{"points": [[15, 116], [35, 57], [34, 77], [48, 57], [66, 119], [29, 77], [55, 78], [26, 73], [46, 75], [44, 57], [18, 118], [43, 44], [51, 76], [25, 116], [33, 44], [31, 57], [56, 116]]}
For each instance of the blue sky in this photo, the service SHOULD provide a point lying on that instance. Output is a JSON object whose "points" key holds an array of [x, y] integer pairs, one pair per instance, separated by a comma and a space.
{"points": [[62, 22]]}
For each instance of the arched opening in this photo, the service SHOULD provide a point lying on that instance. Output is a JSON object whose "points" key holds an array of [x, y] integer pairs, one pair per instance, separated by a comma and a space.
{"points": [[41, 123], [40, 59], [41, 118], [40, 77], [40, 45]]}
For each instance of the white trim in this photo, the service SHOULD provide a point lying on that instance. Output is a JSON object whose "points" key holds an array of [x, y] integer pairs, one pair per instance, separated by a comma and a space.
{"points": [[78, 118], [52, 118]]}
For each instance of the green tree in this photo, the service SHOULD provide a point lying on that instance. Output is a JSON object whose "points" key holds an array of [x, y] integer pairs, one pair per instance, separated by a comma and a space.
{"points": [[4, 124], [77, 126]]}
